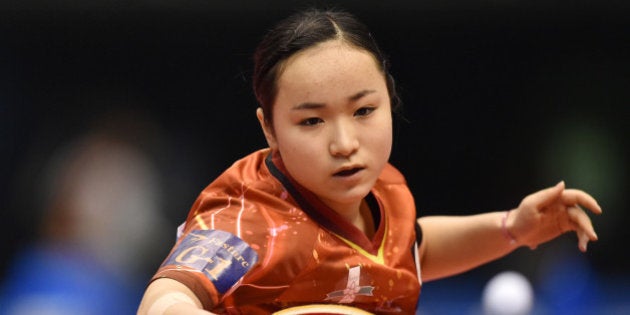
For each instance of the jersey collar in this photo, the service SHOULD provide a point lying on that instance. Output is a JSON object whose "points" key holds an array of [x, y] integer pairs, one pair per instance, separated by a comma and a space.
{"points": [[324, 215]]}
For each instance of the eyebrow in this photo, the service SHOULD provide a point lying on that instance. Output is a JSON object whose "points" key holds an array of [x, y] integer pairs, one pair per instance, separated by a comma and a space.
{"points": [[359, 95], [351, 98]]}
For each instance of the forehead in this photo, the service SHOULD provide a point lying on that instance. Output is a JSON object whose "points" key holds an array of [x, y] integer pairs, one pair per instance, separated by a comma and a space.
{"points": [[329, 67]]}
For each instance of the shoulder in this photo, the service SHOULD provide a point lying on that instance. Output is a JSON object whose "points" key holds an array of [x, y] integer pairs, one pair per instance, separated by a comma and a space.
{"points": [[246, 181], [246, 200], [393, 193], [391, 175], [249, 169]]}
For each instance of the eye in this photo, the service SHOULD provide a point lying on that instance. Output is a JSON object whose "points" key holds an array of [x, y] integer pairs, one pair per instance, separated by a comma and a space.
{"points": [[311, 121], [364, 111]]}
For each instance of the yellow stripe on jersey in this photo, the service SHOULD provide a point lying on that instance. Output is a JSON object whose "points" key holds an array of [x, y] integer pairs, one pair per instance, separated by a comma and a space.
{"points": [[379, 258], [202, 224]]}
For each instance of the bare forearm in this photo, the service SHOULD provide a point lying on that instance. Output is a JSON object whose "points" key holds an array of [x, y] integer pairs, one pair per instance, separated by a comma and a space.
{"points": [[169, 297], [184, 309], [454, 244]]}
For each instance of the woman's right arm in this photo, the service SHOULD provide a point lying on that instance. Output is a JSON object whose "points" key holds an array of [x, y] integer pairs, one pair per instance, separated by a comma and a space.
{"points": [[169, 297]]}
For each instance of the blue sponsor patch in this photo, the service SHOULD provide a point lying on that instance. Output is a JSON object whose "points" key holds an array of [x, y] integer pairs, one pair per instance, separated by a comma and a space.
{"points": [[222, 257]]}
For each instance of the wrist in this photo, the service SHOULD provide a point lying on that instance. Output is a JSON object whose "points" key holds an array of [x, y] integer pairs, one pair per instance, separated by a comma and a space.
{"points": [[504, 228]]}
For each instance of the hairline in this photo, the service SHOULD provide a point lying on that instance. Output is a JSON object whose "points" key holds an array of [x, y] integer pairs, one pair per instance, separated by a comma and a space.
{"points": [[281, 66]]}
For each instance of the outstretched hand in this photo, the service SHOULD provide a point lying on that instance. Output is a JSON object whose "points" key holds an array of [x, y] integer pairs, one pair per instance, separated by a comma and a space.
{"points": [[548, 213]]}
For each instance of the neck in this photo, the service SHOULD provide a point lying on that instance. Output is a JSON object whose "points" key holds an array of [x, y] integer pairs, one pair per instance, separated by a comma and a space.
{"points": [[359, 215]]}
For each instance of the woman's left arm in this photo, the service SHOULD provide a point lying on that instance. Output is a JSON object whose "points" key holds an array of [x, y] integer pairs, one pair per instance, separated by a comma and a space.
{"points": [[454, 244]]}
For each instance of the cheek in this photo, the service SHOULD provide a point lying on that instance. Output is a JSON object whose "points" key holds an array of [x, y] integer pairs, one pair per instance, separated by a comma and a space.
{"points": [[379, 136], [383, 150], [295, 147], [300, 151], [303, 162]]}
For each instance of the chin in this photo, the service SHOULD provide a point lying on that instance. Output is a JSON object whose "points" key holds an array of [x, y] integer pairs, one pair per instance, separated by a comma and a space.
{"points": [[354, 195]]}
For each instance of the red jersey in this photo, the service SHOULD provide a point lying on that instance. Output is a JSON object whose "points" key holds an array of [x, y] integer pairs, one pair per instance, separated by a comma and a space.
{"points": [[256, 242]]}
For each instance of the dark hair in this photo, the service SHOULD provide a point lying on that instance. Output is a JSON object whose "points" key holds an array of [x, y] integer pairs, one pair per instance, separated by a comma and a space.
{"points": [[301, 31]]}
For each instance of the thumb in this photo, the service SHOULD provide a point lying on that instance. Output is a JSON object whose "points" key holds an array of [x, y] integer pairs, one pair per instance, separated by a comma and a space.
{"points": [[547, 196]]}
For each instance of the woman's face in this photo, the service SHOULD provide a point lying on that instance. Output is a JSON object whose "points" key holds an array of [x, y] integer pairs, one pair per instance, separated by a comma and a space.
{"points": [[332, 122]]}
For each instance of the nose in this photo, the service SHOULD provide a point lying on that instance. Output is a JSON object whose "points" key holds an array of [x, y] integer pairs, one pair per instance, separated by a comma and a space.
{"points": [[344, 141]]}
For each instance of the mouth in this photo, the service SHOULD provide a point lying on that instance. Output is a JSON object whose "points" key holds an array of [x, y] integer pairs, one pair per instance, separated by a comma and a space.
{"points": [[348, 171]]}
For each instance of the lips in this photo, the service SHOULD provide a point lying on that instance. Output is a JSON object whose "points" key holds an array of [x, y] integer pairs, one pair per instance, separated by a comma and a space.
{"points": [[348, 171]]}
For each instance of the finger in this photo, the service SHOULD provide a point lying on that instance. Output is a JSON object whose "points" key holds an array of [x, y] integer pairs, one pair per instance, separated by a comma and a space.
{"points": [[583, 239], [581, 223], [546, 196], [578, 197]]}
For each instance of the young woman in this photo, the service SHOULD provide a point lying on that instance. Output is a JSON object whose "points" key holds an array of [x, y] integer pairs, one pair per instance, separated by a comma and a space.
{"points": [[321, 217]]}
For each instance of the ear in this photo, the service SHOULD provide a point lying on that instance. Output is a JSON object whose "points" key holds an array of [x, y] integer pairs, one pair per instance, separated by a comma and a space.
{"points": [[267, 130]]}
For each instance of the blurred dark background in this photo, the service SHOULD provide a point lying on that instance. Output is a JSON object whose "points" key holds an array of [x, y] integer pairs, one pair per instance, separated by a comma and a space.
{"points": [[501, 98]]}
